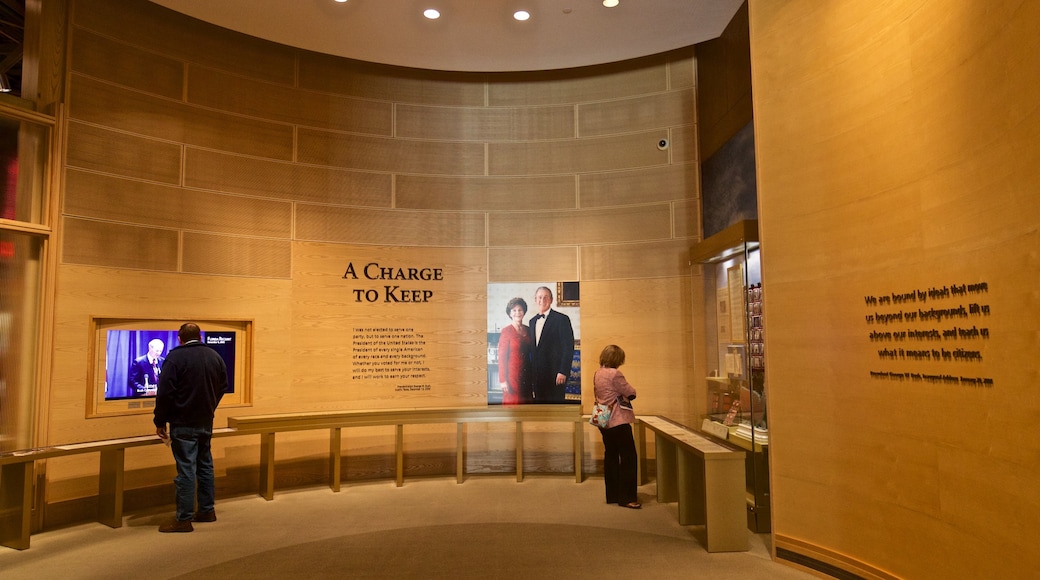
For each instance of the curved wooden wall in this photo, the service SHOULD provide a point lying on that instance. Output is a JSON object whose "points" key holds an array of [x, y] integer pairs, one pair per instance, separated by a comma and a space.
{"points": [[898, 148], [208, 173]]}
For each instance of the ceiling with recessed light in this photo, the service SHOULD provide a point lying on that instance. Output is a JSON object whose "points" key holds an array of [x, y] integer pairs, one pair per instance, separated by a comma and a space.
{"points": [[473, 35]]}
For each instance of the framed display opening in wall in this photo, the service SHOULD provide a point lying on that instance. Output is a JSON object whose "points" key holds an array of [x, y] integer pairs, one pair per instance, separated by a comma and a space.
{"points": [[126, 356]]}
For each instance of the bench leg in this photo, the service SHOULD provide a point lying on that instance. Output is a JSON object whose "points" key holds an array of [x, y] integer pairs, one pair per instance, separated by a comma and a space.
{"points": [[267, 466], [640, 436], [519, 451], [726, 505], [110, 487], [460, 456], [335, 461], [399, 452], [15, 504], [666, 471], [690, 472], [579, 449]]}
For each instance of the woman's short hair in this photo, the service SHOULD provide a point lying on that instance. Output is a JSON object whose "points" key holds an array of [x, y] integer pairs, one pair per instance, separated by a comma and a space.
{"points": [[612, 356], [514, 303]]}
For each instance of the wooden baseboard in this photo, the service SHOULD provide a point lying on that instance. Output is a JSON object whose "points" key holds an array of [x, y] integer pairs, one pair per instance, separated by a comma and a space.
{"points": [[816, 559]]}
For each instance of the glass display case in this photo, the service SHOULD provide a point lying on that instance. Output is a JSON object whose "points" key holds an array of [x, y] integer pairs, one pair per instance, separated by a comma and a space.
{"points": [[735, 390]]}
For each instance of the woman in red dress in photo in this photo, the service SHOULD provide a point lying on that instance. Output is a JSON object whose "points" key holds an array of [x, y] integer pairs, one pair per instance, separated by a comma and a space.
{"points": [[514, 345]]}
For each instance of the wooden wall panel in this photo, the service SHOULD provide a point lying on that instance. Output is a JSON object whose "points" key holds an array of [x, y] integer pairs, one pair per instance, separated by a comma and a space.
{"points": [[179, 36], [580, 155], [385, 83], [647, 222], [723, 65], [683, 147], [379, 154], [897, 150], [253, 98], [98, 149], [138, 202], [102, 58], [638, 186], [635, 260], [388, 227], [118, 108], [484, 124], [686, 219], [682, 70], [484, 193], [611, 81], [636, 114], [533, 264], [287, 181], [118, 245], [236, 256]]}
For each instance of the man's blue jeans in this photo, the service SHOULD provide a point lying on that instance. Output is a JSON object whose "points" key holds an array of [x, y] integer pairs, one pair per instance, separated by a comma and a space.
{"points": [[191, 451]]}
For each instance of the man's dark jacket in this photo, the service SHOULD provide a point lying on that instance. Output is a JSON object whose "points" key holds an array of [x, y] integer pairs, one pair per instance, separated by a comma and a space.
{"points": [[192, 381]]}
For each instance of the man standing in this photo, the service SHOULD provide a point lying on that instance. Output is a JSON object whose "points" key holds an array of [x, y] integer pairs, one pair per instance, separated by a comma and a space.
{"points": [[552, 349], [192, 382], [144, 371]]}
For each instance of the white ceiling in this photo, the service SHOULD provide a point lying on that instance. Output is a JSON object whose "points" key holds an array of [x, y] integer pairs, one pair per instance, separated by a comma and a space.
{"points": [[473, 35]]}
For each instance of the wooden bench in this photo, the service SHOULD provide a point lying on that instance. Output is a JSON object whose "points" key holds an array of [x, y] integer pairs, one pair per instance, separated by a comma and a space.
{"points": [[16, 468], [705, 477], [336, 421]]}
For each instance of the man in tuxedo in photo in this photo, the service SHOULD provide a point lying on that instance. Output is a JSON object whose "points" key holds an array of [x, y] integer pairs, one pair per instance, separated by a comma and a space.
{"points": [[145, 370], [552, 350]]}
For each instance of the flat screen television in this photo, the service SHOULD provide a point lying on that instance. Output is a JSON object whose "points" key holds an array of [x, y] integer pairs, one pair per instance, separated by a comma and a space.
{"points": [[134, 358], [128, 354]]}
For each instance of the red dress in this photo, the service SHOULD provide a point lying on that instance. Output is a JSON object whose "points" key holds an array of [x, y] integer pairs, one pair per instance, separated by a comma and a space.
{"points": [[513, 348]]}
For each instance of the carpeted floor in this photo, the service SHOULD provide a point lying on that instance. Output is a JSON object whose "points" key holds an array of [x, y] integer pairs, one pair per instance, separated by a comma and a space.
{"points": [[489, 527]]}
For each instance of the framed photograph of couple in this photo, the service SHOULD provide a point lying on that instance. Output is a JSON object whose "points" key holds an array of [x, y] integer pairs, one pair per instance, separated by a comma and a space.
{"points": [[534, 343]]}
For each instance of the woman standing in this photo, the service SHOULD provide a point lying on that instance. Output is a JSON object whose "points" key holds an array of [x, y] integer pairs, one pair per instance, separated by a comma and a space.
{"points": [[514, 344], [619, 448]]}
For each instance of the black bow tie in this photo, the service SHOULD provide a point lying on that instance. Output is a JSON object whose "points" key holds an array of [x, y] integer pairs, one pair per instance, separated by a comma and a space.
{"points": [[537, 316]]}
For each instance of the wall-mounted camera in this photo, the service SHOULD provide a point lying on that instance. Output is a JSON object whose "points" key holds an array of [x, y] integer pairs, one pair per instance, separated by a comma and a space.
{"points": [[662, 144]]}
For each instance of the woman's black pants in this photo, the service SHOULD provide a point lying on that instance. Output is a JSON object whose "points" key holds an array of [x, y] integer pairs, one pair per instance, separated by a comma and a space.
{"points": [[619, 464]]}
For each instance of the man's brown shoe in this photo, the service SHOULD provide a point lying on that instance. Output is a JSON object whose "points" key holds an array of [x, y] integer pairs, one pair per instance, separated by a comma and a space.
{"points": [[210, 516], [176, 526]]}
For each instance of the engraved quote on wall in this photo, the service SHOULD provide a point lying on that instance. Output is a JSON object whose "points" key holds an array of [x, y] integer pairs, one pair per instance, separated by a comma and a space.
{"points": [[923, 335]]}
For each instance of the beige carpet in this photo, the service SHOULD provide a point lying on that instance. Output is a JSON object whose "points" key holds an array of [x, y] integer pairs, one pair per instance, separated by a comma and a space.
{"points": [[487, 527]]}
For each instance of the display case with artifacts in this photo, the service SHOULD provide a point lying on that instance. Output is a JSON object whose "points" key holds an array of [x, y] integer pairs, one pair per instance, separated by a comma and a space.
{"points": [[732, 315]]}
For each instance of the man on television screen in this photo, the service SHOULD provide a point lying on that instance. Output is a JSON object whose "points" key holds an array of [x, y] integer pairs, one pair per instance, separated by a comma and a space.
{"points": [[193, 380], [145, 370]]}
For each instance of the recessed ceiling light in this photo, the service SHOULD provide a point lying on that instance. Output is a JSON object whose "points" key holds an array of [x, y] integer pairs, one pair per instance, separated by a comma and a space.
{"points": [[341, 1], [610, 3], [521, 15], [431, 14]]}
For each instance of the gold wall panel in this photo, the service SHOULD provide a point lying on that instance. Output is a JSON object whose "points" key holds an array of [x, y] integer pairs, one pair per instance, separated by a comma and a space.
{"points": [[682, 70], [354, 78], [484, 124], [98, 149], [118, 245], [896, 152], [684, 144], [636, 113], [138, 202], [656, 184], [212, 170], [636, 260], [610, 81], [118, 108], [594, 226], [576, 156], [236, 94], [724, 104], [484, 193], [380, 154], [686, 219], [388, 227], [236, 256], [533, 264], [178, 36], [129, 66]]}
